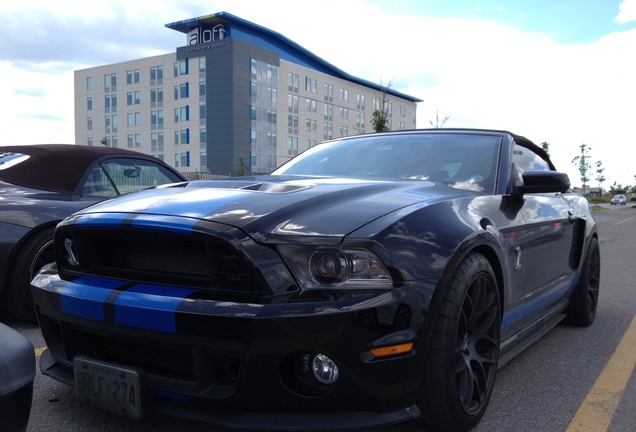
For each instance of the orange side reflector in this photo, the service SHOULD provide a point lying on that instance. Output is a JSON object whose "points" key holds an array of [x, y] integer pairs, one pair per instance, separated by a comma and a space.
{"points": [[392, 350]]}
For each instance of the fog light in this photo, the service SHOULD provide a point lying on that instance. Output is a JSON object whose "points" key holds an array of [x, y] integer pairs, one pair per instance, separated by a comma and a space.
{"points": [[324, 369]]}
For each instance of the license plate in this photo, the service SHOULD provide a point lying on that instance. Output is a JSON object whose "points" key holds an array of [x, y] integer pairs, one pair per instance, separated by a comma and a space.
{"points": [[108, 387]]}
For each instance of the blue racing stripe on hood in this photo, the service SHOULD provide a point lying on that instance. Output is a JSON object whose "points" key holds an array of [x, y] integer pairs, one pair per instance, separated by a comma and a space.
{"points": [[150, 307], [85, 297]]}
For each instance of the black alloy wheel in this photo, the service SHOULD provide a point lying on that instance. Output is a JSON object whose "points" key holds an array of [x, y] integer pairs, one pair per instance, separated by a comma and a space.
{"points": [[461, 362], [584, 298]]}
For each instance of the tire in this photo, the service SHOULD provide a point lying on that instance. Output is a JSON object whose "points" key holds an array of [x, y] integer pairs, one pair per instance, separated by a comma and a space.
{"points": [[32, 256], [584, 299], [461, 360]]}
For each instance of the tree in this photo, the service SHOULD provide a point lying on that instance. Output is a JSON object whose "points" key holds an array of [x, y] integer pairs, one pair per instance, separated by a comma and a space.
{"points": [[240, 170], [546, 147], [437, 124], [103, 141], [600, 177], [380, 120], [583, 165]]}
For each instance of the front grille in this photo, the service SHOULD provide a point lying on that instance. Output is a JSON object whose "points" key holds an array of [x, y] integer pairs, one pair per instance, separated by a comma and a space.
{"points": [[185, 260]]}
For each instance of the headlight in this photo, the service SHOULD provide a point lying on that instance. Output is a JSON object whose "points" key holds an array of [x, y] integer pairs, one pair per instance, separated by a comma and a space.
{"points": [[330, 267]]}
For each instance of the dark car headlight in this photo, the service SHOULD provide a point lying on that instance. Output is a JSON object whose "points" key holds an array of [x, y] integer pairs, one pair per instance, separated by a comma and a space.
{"points": [[331, 267]]}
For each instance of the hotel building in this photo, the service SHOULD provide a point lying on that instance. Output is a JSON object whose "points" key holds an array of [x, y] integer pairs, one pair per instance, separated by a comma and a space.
{"points": [[236, 99]]}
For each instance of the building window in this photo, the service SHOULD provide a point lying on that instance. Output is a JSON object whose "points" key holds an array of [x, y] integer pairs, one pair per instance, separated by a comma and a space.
{"points": [[292, 146], [137, 119], [184, 90], [107, 103], [156, 97], [107, 124], [360, 101], [203, 160], [185, 136], [272, 96], [201, 64], [130, 140], [344, 131], [185, 159], [136, 76], [185, 113], [202, 112], [344, 113], [89, 103], [328, 131], [292, 103], [114, 123], [344, 95], [89, 123], [183, 67], [203, 136], [137, 97], [311, 125], [292, 82], [107, 82], [89, 142], [130, 120], [328, 92], [137, 140], [129, 77], [402, 111], [312, 105], [129, 98], [360, 121], [89, 83], [311, 85], [201, 88], [292, 124], [328, 112], [272, 117]]}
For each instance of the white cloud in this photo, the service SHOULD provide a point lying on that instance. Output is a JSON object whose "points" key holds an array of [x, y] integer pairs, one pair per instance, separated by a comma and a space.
{"points": [[627, 11]]}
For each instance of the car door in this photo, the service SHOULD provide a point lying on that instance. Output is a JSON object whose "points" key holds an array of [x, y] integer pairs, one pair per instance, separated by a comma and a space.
{"points": [[545, 251]]}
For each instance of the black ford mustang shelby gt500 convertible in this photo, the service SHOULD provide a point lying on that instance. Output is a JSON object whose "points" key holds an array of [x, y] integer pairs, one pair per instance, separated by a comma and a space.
{"points": [[370, 280]]}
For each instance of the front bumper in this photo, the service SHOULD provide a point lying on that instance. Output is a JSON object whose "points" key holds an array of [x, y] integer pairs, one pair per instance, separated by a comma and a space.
{"points": [[236, 364]]}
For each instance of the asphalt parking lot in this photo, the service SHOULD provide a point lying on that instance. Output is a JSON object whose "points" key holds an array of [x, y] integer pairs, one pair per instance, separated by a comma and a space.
{"points": [[573, 379]]}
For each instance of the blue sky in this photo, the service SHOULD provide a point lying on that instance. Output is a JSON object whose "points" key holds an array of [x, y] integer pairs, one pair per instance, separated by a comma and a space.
{"points": [[579, 21], [558, 71]]}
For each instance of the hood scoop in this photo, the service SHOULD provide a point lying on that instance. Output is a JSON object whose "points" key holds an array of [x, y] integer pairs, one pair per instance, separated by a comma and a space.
{"points": [[276, 187]]}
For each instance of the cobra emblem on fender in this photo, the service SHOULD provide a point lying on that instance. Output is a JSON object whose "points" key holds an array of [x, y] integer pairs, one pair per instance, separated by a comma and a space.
{"points": [[72, 260]]}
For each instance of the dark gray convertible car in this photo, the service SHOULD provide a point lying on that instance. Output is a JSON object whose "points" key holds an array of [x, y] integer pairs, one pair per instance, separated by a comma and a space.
{"points": [[42, 184], [370, 280]]}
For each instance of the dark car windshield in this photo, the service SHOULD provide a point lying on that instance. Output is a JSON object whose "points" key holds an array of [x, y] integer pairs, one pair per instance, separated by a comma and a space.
{"points": [[461, 160]]}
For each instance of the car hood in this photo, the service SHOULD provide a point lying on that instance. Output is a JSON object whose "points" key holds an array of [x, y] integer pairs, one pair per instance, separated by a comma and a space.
{"points": [[273, 206]]}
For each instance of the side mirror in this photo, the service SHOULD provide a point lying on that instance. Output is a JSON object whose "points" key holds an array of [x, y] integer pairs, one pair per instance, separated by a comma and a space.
{"points": [[543, 182]]}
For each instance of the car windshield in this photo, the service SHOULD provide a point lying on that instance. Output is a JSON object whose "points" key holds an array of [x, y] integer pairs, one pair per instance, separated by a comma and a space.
{"points": [[463, 161]]}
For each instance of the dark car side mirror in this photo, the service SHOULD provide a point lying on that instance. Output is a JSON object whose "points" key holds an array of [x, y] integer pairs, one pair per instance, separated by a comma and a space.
{"points": [[543, 182]]}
